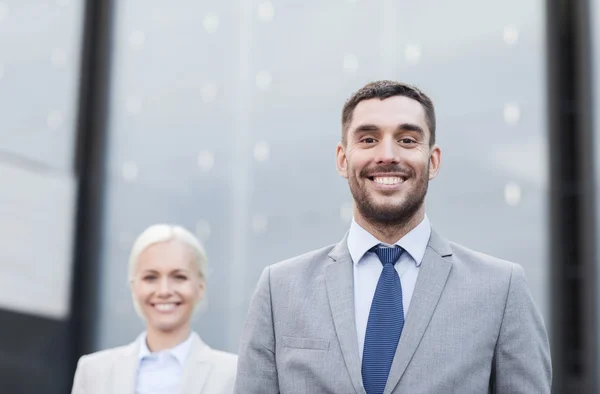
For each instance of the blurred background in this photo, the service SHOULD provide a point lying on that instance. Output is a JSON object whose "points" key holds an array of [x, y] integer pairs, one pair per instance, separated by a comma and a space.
{"points": [[223, 117]]}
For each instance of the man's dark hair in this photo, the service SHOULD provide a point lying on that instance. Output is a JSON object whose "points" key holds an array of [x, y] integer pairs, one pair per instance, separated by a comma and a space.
{"points": [[383, 90]]}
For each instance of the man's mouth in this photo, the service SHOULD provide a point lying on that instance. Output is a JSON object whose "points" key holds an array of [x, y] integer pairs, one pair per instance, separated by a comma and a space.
{"points": [[388, 180]]}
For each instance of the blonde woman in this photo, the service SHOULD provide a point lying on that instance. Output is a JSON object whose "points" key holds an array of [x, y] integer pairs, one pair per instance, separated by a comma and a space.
{"points": [[167, 280]]}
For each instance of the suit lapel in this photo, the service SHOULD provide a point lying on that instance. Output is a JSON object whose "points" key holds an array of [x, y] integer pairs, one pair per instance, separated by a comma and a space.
{"points": [[197, 367], [339, 278], [125, 369], [433, 274]]}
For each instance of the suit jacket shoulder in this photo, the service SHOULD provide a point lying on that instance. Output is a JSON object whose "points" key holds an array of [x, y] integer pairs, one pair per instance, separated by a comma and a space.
{"points": [[476, 274], [490, 275], [104, 357], [101, 362], [307, 261], [95, 371], [468, 256]]}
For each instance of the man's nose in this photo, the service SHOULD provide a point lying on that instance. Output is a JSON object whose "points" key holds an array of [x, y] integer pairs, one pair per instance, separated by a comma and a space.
{"points": [[387, 151]]}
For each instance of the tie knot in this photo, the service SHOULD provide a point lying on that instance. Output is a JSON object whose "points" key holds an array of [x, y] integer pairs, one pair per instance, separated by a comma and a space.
{"points": [[386, 254]]}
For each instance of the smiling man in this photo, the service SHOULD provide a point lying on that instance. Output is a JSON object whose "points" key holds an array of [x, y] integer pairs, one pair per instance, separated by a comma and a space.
{"points": [[394, 307]]}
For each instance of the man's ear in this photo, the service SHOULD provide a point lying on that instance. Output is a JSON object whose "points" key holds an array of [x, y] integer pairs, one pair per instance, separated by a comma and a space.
{"points": [[341, 162], [435, 160]]}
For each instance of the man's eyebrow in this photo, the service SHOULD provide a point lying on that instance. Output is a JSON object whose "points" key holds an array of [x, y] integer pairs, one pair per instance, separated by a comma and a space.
{"points": [[411, 127], [369, 127], [366, 128]]}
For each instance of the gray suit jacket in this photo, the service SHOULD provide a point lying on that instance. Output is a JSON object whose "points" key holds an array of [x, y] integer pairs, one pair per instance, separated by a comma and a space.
{"points": [[113, 371], [471, 327]]}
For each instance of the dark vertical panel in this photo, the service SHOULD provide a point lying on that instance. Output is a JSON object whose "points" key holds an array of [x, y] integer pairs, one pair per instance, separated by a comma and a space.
{"points": [[572, 229], [89, 166], [593, 19], [587, 212]]}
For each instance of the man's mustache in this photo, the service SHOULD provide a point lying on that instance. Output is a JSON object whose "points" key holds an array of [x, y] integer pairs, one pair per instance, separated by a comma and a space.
{"points": [[386, 169]]}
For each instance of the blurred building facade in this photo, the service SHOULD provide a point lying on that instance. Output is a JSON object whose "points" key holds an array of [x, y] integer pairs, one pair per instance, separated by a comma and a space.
{"points": [[223, 117]]}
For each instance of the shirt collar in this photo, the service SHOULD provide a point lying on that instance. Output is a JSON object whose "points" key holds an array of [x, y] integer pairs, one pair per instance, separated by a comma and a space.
{"points": [[180, 352], [414, 242]]}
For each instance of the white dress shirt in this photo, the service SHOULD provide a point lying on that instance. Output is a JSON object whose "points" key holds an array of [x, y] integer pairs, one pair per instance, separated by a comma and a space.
{"points": [[161, 372], [367, 269]]}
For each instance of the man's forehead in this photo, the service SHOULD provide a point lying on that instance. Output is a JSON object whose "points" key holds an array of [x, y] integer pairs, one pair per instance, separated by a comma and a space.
{"points": [[396, 109]]}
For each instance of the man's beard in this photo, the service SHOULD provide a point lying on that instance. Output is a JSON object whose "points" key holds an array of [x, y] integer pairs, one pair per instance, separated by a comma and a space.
{"points": [[388, 215]]}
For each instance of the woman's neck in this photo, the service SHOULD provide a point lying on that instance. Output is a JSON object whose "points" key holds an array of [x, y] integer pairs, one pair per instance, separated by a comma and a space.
{"points": [[157, 340]]}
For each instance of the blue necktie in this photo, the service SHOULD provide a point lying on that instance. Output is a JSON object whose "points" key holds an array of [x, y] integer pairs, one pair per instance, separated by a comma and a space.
{"points": [[386, 320]]}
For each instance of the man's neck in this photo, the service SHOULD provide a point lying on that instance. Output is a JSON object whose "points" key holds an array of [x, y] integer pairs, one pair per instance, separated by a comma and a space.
{"points": [[389, 234]]}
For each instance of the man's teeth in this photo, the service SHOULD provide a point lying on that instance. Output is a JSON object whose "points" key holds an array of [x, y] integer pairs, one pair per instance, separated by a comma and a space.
{"points": [[165, 307], [388, 180]]}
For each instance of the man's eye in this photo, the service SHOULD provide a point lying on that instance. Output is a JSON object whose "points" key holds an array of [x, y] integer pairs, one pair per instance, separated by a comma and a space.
{"points": [[181, 277], [368, 140], [149, 277], [407, 141]]}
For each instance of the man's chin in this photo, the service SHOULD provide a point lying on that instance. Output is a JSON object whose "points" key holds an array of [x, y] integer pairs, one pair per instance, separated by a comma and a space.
{"points": [[388, 204], [381, 213], [388, 213]]}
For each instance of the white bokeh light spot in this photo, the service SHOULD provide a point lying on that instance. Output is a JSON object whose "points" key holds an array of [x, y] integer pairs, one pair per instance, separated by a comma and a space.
{"points": [[412, 53], [129, 171], [262, 151], [347, 211], [211, 22], [512, 194], [206, 161], [510, 35], [512, 113], [54, 120], [266, 11], [209, 92], [263, 80], [203, 230], [137, 38], [350, 63]]}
